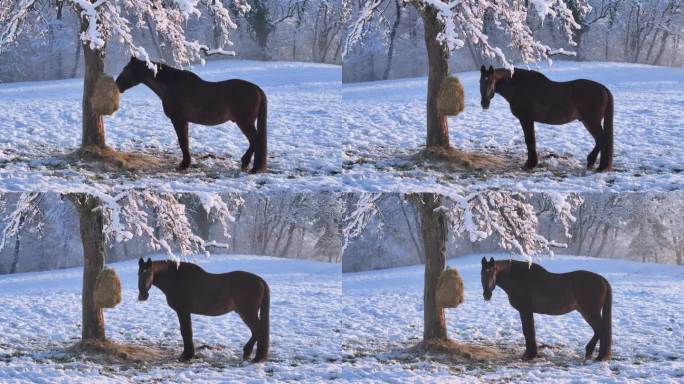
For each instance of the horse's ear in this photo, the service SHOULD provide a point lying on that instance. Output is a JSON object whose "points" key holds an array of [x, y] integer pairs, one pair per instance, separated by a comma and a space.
{"points": [[482, 69], [491, 260], [484, 260], [141, 262], [149, 261], [491, 69]]}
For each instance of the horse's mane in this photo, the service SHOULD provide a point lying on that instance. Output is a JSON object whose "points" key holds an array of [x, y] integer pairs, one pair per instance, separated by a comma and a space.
{"points": [[514, 267], [171, 266], [169, 73], [520, 74]]}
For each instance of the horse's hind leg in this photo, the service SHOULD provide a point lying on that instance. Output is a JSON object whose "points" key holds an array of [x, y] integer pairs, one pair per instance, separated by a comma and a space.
{"points": [[186, 332], [181, 128], [249, 130], [596, 132], [530, 142], [594, 320], [527, 319], [251, 319]]}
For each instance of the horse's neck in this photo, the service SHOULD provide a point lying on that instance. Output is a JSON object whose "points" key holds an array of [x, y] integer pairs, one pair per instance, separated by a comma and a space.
{"points": [[506, 278], [505, 89], [162, 278], [156, 86], [505, 282]]}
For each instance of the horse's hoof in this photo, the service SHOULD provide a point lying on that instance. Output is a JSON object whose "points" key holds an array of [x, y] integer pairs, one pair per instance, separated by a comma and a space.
{"points": [[258, 170], [602, 358], [257, 360], [527, 356], [186, 356], [604, 169]]}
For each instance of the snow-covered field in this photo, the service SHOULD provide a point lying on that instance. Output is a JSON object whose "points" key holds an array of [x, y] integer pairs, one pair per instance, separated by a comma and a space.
{"points": [[383, 317], [385, 122], [40, 122], [40, 315], [353, 137]]}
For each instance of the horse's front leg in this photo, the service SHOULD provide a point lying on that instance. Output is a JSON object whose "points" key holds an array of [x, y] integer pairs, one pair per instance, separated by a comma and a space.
{"points": [[181, 128], [530, 142], [527, 319], [186, 331]]}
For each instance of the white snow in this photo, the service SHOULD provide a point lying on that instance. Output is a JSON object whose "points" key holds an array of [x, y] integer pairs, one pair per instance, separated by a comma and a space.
{"points": [[385, 121], [40, 315], [384, 317], [40, 122]]}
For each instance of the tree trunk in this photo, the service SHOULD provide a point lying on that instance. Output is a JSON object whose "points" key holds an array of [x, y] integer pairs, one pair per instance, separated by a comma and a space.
{"points": [[91, 223], [663, 43], [17, 246], [77, 57], [433, 228], [392, 37], [93, 124], [438, 62]]}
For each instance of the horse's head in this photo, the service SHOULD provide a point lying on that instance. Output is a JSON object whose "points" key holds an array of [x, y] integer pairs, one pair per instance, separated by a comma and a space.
{"points": [[487, 85], [488, 276], [133, 74], [145, 278]]}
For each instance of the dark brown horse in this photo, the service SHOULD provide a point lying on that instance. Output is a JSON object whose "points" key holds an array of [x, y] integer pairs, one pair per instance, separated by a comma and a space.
{"points": [[532, 289], [533, 97], [189, 289], [188, 99]]}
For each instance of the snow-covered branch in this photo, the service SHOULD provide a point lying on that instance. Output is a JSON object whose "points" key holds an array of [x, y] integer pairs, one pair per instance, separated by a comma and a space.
{"points": [[103, 20], [464, 20]]}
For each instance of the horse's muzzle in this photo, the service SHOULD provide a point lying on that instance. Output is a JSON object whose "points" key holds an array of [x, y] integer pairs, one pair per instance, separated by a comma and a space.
{"points": [[485, 104], [143, 296], [487, 295]]}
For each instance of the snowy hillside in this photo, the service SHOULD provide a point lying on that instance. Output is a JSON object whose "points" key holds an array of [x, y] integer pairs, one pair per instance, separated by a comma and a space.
{"points": [[40, 123], [384, 317], [386, 127], [40, 316]]}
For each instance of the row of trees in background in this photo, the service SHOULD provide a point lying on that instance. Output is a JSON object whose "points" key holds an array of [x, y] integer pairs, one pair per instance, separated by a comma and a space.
{"points": [[633, 226], [45, 233], [637, 31], [51, 48]]}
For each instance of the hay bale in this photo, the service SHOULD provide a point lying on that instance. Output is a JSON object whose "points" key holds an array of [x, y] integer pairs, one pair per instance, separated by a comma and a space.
{"points": [[451, 100], [107, 289], [105, 99], [449, 289]]}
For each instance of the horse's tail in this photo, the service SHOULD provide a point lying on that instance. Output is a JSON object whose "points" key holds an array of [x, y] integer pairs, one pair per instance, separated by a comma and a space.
{"points": [[607, 150], [263, 340], [261, 154], [606, 319]]}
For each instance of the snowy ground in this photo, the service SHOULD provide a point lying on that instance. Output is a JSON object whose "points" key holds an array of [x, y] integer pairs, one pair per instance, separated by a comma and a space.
{"points": [[354, 137], [383, 317], [40, 317], [386, 127], [40, 122]]}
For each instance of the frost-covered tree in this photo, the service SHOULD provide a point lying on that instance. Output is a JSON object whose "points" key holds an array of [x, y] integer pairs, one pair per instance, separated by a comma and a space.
{"points": [[508, 217], [104, 20], [449, 23], [103, 218]]}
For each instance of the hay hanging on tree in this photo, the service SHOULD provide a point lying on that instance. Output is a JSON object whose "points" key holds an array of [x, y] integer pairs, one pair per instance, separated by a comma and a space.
{"points": [[107, 292], [451, 100], [449, 289], [105, 99]]}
